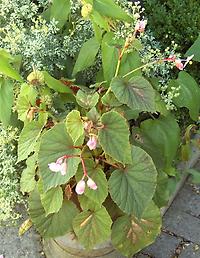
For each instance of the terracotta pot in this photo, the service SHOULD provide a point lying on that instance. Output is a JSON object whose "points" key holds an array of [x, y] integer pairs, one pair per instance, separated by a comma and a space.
{"points": [[68, 247]]}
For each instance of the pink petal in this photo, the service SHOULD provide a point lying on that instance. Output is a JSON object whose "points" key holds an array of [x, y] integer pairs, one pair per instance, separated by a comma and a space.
{"points": [[80, 187], [1, 256], [179, 64], [91, 184], [92, 143], [63, 168], [54, 167]]}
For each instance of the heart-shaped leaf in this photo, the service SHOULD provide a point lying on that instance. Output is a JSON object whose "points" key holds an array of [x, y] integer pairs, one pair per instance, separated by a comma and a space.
{"points": [[136, 93], [133, 187], [53, 225], [87, 100], [56, 143], [130, 235], [92, 227], [114, 137]]}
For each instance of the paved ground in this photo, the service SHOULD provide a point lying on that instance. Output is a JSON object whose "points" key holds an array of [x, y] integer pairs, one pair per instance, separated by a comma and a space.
{"points": [[180, 236]]}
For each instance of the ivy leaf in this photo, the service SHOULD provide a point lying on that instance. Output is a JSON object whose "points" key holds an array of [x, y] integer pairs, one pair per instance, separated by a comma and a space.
{"points": [[87, 55], [28, 138], [189, 94], [52, 200], [162, 134], [133, 188], [55, 84], [130, 235], [56, 143], [74, 125], [27, 181], [98, 176], [59, 10], [26, 99], [53, 225], [87, 100], [92, 227], [110, 9], [114, 137], [6, 100], [136, 93]]}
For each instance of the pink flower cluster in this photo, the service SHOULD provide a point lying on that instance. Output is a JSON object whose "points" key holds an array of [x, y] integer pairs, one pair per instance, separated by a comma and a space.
{"points": [[59, 166], [80, 187], [179, 63]]}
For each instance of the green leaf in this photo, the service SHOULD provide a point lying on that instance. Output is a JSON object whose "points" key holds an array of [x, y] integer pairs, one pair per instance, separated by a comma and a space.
{"points": [[161, 134], [87, 100], [110, 9], [109, 56], [87, 55], [74, 125], [55, 84], [25, 100], [53, 225], [98, 176], [27, 181], [129, 62], [194, 50], [87, 204], [189, 94], [6, 68], [28, 138], [92, 227], [114, 137], [52, 200], [99, 22], [133, 187], [56, 143], [130, 235], [6, 100], [93, 115], [59, 10], [136, 93], [110, 100], [195, 175]]}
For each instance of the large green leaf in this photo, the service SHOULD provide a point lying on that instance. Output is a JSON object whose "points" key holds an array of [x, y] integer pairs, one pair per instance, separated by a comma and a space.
{"points": [[59, 10], [114, 137], [160, 138], [6, 68], [195, 50], [25, 100], [74, 125], [86, 55], [130, 235], [189, 94], [109, 56], [137, 93], [56, 143], [28, 138], [133, 187], [92, 227], [98, 176], [86, 99], [27, 181], [53, 225], [110, 9], [6, 100], [55, 84], [52, 200]]}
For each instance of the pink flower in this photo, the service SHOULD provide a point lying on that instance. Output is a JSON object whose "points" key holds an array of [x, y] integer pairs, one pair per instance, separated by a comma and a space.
{"points": [[80, 187], [92, 143], [59, 166], [91, 184], [1, 256], [140, 26], [179, 64]]}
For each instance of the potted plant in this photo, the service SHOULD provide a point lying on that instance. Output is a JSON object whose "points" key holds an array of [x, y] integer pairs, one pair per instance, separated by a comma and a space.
{"points": [[99, 153]]}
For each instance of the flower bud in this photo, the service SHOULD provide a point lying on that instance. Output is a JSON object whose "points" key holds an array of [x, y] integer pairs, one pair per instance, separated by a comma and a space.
{"points": [[80, 187], [179, 64], [55, 167], [91, 184], [92, 143], [63, 168]]}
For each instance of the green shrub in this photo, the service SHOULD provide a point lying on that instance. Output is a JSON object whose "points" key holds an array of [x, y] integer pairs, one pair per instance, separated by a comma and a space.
{"points": [[174, 20]]}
